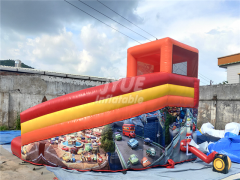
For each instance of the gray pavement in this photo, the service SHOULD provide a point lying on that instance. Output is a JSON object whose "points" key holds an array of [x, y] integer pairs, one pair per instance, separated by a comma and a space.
{"points": [[11, 167]]}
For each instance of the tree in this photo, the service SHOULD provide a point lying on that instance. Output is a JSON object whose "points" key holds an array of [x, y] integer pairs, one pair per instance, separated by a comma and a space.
{"points": [[107, 142], [169, 120], [224, 82], [12, 64]]}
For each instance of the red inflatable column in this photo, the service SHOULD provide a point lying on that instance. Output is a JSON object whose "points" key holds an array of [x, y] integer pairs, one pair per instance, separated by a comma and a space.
{"points": [[166, 56], [16, 146], [131, 66]]}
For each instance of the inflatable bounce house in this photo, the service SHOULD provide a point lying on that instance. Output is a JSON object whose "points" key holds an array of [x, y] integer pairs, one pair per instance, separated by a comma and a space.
{"points": [[145, 120]]}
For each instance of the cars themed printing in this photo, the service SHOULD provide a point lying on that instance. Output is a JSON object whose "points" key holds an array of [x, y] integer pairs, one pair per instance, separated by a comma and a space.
{"points": [[117, 146]]}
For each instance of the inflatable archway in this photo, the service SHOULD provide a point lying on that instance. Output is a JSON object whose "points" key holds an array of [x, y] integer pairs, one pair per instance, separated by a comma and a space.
{"points": [[134, 123]]}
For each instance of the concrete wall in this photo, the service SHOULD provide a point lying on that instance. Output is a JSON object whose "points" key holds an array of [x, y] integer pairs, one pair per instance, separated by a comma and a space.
{"points": [[219, 105], [20, 91]]}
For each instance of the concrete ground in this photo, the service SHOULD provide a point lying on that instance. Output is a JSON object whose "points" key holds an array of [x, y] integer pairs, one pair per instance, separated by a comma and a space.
{"points": [[11, 167]]}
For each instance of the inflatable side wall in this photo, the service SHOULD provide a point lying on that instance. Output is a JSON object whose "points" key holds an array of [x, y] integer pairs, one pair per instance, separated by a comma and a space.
{"points": [[136, 122]]}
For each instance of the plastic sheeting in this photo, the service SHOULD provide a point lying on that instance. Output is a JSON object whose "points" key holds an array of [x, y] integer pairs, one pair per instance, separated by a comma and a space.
{"points": [[7, 136], [208, 128], [229, 145], [206, 138], [232, 127], [202, 147], [186, 170], [190, 170]]}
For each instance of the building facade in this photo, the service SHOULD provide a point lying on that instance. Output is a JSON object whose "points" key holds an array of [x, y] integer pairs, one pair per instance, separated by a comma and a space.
{"points": [[232, 64]]}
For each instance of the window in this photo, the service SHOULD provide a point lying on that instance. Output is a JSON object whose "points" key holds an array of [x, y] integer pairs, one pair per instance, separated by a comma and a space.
{"points": [[184, 62], [180, 68]]}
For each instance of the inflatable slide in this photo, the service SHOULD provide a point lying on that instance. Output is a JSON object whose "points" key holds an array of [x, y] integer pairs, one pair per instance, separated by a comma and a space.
{"points": [[120, 125]]}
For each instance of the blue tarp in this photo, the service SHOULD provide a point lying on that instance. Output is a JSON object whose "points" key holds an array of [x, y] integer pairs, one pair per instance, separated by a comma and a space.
{"points": [[229, 145], [206, 137], [7, 136], [198, 133]]}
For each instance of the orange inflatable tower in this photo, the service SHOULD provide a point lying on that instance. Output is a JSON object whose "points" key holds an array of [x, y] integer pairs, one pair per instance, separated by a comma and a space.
{"points": [[160, 56]]}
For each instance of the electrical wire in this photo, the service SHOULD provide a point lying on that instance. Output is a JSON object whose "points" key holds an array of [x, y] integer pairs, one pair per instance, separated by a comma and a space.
{"points": [[204, 81], [125, 18], [113, 20], [204, 76], [101, 21]]}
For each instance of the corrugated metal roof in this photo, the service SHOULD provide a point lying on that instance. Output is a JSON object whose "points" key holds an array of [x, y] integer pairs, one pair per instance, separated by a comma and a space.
{"points": [[56, 74], [230, 59]]}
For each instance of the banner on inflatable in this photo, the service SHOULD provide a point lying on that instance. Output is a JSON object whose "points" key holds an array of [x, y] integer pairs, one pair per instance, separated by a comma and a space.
{"points": [[140, 142]]}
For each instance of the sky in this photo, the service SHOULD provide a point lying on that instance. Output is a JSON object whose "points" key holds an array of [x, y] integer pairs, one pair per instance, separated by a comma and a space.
{"points": [[56, 36]]}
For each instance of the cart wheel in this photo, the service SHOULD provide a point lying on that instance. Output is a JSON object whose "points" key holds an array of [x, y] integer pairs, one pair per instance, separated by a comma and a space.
{"points": [[221, 163]]}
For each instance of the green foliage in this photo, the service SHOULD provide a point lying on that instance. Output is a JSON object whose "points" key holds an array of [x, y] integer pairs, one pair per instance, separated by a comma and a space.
{"points": [[18, 123], [12, 64], [107, 142], [224, 82], [7, 63], [169, 120], [3, 128]]}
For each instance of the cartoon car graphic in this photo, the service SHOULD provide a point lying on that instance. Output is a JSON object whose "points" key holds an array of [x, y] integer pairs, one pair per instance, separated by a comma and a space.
{"points": [[133, 159], [189, 136], [80, 151], [89, 158], [66, 157], [133, 143], [148, 141], [74, 150], [145, 162], [151, 151], [65, 148], [118, 137], [88, 147], [52, 141], [24, 150], [94, 159], [82, 158], [73, 158], [100, 159]]}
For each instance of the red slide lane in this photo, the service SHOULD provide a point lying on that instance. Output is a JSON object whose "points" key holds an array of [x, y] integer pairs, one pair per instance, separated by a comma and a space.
{"points": [[91, 94], [104, 118]]}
